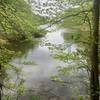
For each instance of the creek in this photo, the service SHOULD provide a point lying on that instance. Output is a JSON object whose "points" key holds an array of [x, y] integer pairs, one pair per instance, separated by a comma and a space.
{"points": [[38, 76]]}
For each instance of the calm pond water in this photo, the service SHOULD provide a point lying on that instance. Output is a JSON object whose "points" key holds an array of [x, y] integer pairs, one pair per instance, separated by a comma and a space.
{"points": [[38, 76]]}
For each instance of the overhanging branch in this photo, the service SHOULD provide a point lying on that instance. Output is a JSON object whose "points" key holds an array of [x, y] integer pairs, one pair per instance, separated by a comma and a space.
{"points": [[68, 16]]}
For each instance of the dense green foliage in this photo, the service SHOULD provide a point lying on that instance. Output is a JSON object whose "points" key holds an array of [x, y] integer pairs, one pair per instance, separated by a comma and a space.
{"points": [[17, 21], [18, 24]]}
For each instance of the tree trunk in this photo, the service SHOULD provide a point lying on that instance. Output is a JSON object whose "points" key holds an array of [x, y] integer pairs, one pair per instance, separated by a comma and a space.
{"points": [[0, 93], [0, 85], [94, 74]]}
